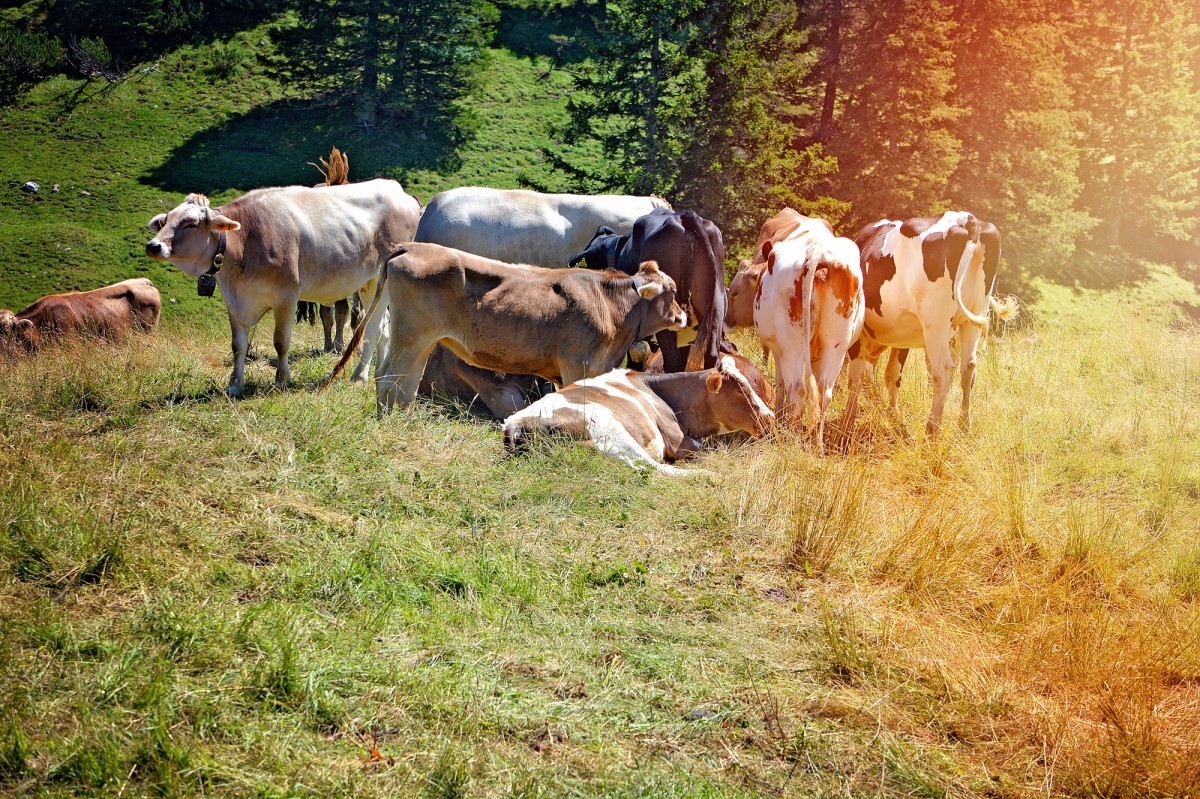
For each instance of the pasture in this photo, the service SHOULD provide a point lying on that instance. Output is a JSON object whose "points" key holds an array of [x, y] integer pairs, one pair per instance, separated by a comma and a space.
{"points": [[284, 596]]}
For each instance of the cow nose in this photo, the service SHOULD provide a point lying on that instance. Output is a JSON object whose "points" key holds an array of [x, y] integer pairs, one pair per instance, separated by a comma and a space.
{"points": [[156, 249]]}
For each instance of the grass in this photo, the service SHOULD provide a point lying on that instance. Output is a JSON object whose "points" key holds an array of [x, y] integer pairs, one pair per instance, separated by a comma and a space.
{"points": [[285, 596]]}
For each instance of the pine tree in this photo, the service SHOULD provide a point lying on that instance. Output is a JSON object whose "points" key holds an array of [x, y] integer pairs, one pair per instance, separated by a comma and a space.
{"points": [[1020, 160]]}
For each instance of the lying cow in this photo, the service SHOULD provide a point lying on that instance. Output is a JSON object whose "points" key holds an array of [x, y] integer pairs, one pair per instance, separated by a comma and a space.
{"points": [[653, 365], [687, 247], [926, 280], [560, 324], [448, 376], [111, 312], [643, 419], [271, 248]]}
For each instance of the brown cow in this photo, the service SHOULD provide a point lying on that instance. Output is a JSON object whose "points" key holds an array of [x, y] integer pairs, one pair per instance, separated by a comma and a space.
{"points": [[653, 365], [560, 324], [642, 419], [111, 312], [447, 375]]}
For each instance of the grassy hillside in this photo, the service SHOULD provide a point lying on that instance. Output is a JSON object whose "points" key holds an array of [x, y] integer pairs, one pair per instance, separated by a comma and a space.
{"points": [[284, 596]]}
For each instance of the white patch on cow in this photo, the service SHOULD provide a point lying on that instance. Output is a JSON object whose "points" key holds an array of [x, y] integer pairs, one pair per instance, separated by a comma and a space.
{"points": [[729, 367]]}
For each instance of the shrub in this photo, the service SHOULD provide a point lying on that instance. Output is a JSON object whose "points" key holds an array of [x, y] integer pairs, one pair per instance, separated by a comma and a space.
{"points": [[29, 55]]}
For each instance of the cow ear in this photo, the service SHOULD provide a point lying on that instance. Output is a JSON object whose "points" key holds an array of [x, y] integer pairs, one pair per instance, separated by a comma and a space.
{"points": [[648, 289], [222, 222], [157, 222], [24, 325], [713, 383], [766, 249]]}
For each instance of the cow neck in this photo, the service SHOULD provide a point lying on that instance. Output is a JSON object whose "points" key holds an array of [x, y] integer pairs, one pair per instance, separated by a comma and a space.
{"points": [[230, 247], [686, 394]]}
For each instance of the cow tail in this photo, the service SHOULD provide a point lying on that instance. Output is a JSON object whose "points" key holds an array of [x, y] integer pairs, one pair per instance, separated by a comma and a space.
{"points": [[964, 263], [712, 328], [356, 339], [812, 402], [1004, 309]]}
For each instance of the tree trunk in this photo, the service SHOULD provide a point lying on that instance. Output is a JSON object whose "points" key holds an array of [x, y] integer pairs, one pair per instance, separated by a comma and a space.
{"points": [[369, 100], [834, 50], [1120, 166], [652, 103]]}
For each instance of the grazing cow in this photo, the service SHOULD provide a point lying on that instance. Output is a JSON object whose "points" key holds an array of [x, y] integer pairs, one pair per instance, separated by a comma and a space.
{"points": [[642, 419], [273, 247], [447, 375], [926, 279], [111, 312], [805, 299], [688, 248], [561, 324]]}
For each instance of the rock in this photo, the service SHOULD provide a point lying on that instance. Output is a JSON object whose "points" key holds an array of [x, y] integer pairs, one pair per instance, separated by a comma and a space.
{"points": [[55, 187], [31, 188], [703, 714], [85, 192]]}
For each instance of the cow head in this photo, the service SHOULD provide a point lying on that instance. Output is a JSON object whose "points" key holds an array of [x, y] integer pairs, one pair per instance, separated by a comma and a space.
{"points": [[14, 330], [742, 289], [600, 252], [733, 404], [189, 234], [657, 291]]}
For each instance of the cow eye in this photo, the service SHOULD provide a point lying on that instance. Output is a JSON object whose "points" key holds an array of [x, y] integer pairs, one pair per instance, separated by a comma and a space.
{"points": [[188, 224]]}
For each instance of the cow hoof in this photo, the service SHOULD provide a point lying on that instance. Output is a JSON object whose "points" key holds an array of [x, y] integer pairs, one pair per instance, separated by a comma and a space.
{"points": [[233, 391], [280, 385]]}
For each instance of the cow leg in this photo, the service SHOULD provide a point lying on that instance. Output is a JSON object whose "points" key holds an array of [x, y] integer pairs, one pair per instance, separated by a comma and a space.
{"points": [[674, 359], [241, 347], [371, 333], [327, 327], [341, 312], [284, 319], [399, 376], [863, 354], [940, 361], [968, 344], [895, 368]]}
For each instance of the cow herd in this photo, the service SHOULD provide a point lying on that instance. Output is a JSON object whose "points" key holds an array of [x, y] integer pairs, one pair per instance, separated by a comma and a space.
{"points": [[479, 297]]}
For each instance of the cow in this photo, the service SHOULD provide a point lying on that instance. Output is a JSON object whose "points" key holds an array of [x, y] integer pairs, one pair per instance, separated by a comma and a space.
{"points": [[653, 365], [111, 312], [273, 247], [448, 376], [333, 319], [926, 280], [643, 419], [687, 247], [560, 324], [808, 311], [525, 227]]}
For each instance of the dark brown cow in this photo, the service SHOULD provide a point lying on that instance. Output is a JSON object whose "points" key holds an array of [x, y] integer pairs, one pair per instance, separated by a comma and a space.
{"points": [[111, 312], [560, 324], [690, 249], [643, 419], [653, 365]]}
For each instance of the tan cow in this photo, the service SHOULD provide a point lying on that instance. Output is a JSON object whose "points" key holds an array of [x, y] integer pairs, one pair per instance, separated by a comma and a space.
{"points": [[111, 312], [271, 248], [643, 419], [560, 324]]}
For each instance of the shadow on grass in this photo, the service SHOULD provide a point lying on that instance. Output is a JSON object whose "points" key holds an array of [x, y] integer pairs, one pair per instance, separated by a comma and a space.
{"points": [[273, 145], [560, 34]]}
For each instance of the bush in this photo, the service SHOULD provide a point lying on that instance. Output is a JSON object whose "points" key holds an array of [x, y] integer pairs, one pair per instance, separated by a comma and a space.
{"points": [[93, 60], [29, 55]]}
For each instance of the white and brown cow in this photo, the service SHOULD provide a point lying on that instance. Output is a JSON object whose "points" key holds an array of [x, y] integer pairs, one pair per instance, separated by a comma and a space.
{"points": [[926, 280], [271, 248], [110, 312], [560, 324], [643, 419], [807, 307]]}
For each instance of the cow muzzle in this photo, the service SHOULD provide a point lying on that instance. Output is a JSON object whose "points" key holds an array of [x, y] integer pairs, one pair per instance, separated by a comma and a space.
{"points": [[157, 250], [679, 321]]}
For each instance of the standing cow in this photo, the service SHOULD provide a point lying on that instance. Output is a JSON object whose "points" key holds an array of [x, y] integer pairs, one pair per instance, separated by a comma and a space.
{"points": [[926, 280], [110, 312], [271, 248], [560, 324], [690, 249], [808, 310]]}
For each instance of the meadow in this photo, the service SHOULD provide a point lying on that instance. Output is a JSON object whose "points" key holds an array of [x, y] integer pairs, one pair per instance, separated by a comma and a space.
{"points": [[286, 596]]}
